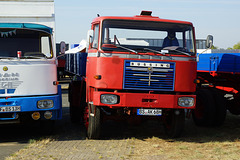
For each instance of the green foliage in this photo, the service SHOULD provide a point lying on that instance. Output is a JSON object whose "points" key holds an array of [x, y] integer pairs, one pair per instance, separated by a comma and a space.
{"points": [[214, 47], [237, 46]]}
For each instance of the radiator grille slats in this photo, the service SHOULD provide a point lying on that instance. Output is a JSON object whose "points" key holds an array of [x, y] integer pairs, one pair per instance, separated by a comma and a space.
{"points": [[145, 75]]}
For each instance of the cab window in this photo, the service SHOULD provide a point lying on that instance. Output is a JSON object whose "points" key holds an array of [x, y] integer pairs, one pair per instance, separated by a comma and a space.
{"points": [[95, 36]]}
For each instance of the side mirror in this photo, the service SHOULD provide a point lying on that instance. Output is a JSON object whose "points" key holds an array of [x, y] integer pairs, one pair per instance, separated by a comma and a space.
{"points": [[62, 47], [209, 42], [90, 37]]}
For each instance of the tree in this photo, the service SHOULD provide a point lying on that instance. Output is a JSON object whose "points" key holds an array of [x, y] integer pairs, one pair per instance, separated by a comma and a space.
{"points": [[214, 47], [237, 46]]}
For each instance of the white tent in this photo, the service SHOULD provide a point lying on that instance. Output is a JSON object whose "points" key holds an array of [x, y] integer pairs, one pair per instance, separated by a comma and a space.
{"points": [[82, 46]]}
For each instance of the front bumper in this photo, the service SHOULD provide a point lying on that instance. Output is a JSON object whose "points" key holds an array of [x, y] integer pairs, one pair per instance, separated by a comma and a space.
{"points": [[28, 105], [143, 100]]}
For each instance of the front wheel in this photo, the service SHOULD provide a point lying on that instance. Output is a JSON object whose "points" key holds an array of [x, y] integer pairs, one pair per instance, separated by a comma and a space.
{"points": [[204, 113], [93, 122], [221, 111], [174, 123]]}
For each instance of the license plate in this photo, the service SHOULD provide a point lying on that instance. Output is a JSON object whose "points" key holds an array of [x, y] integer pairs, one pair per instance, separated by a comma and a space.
{"points": [[10, 109], [149, 112]]}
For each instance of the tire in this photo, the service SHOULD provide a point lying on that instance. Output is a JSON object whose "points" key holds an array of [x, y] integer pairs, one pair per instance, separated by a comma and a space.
{"points": [[94, 123], [220, 108], [205, 111], [77, 101], [234, 105], [174, 123]]}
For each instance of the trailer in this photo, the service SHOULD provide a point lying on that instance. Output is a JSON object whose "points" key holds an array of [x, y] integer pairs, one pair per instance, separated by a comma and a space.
{"points": [[124, 77], [28, 74], [218, 87]]}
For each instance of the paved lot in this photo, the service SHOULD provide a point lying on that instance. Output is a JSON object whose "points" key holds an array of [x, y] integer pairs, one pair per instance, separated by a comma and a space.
{"points": [[69, 140], [119, 141]]}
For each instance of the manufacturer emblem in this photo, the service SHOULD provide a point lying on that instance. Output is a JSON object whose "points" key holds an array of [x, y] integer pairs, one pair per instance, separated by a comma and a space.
{"points": [[5, 68], [150, 71]]}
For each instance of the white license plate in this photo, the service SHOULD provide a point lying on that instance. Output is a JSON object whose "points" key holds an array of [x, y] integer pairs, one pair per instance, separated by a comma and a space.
{"points": [[149, 112], [10, 109]]}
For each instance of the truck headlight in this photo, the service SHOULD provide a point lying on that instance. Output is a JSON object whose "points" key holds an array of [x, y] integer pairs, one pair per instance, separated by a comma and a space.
{"points": [[44, 104], [186, 101], [109, 99]]}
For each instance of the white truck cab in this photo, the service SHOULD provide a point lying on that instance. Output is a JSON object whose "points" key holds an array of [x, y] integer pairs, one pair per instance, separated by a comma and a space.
{"points": [[28, 71]]}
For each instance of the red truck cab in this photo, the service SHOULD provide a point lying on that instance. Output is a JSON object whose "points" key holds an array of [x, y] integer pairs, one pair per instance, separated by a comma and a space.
{"points": [[140, 66]]}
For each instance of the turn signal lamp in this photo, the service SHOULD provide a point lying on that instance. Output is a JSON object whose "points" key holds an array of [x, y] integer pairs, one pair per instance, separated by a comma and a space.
{"points": [[197, 81], [48, 115], [55, 83], [98, 77], [36, 116]]}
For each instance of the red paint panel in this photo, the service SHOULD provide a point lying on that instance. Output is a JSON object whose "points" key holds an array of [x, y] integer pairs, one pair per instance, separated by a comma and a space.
{"points": [[110, 69], [185, 74], [141, 18], [143, 100]]}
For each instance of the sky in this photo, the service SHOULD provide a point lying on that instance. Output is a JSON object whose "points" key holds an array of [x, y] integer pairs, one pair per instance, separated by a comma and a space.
{"points": [[220, 18]]}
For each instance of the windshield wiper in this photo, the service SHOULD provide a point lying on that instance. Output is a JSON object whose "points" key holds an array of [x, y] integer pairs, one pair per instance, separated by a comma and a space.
{"points": [[119, 46], [33, 57], [155, 51], [174, 48], [24, 57], [1, 57]]}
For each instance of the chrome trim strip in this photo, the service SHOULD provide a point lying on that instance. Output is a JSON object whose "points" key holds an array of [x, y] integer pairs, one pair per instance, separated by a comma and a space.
{"points": [[137, 56], [147, 75]]}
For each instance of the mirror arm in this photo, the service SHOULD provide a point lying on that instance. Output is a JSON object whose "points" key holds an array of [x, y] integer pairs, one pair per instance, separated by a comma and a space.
{"points": [[208, 45]]}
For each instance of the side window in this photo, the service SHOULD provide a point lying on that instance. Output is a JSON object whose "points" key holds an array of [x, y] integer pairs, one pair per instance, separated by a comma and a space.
{"points": [[95, 36], [46, 46]]}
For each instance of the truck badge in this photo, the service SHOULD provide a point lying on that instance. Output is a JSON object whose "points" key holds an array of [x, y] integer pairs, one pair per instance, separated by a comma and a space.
{"points": [[150, 71], [5, 68]]}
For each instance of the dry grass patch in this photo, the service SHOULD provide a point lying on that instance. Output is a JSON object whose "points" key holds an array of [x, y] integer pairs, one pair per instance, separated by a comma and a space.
{"points": [[33, 150], [222, 143], [157, 148]]}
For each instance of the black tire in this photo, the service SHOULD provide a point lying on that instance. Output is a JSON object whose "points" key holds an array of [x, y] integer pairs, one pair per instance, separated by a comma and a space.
{"points": [[234, 105], [77, 101], [94, 125], [174, 123], [220, 108], [205, 111]]}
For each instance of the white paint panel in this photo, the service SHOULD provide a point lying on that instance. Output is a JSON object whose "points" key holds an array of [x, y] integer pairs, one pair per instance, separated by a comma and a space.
{"points": [[28, 78]]}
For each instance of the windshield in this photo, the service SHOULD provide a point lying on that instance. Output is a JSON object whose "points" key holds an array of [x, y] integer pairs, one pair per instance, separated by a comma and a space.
{"points": [[144, 36], [30, 43]]}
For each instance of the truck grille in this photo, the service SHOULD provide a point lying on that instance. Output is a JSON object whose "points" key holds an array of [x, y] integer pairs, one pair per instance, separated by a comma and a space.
{"points": [[145, 75]]}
